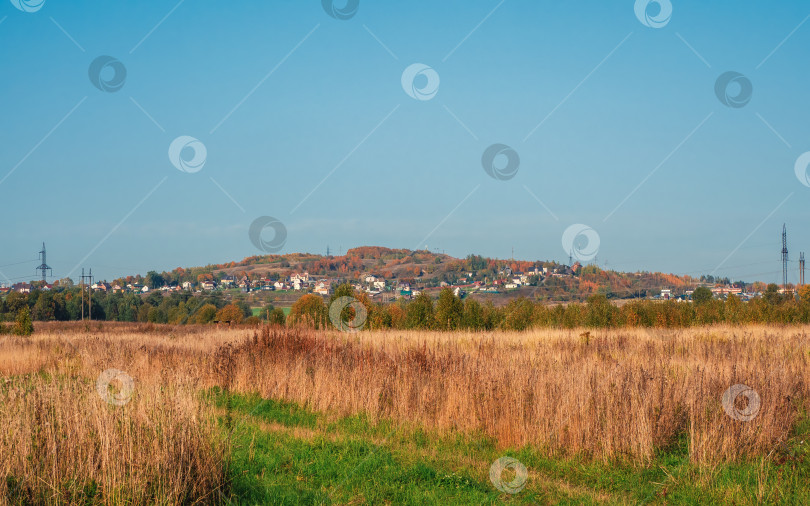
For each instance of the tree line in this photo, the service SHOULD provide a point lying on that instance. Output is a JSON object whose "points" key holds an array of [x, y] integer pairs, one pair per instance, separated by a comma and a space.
{"points": [[448, 312]]}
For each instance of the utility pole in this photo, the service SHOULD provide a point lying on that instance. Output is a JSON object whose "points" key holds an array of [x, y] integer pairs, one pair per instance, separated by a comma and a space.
{"points": [[784, 258], [801, 268], [44, 266]]}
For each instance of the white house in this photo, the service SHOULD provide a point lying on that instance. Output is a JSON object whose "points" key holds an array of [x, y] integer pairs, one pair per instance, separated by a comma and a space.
{"points": [[323, 287]]}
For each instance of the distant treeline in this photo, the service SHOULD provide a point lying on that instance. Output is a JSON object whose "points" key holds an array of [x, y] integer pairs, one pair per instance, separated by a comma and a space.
{"points": [[448, 312], [176, 307], [451, 313]]}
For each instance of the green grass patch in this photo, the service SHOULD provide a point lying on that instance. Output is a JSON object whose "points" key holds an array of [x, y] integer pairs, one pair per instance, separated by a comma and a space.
{"points": [[285, 453]]}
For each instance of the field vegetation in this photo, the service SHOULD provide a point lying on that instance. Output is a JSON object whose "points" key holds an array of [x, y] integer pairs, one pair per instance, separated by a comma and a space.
{"points": [[194, 414]]}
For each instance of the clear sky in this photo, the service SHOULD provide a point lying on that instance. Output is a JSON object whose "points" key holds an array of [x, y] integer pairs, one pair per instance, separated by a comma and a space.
{"points": [[304, 117]]}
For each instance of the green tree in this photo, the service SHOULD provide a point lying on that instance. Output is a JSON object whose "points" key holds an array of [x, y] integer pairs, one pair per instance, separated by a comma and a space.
{"points": [[518, 314], [277, 317], [206, 313], [772, 295], [599, 311], [473, 316], [154, 280], [701, 295], [419, 314], [449, 310]]}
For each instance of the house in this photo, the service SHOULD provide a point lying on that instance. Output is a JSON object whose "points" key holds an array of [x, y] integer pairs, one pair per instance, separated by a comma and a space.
{"points": [[302, 278], [144, 289], [117, 288], [323, 287], [208, 285], [279, 285], [228, 280], [666, 294], [510, 286], [187, 285], [379, 285], [370, 279], [22, 287], [725, 290]]}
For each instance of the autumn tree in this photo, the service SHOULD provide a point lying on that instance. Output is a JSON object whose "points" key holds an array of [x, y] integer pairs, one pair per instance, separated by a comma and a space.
{"points": [[230, 313], [309, 310]]}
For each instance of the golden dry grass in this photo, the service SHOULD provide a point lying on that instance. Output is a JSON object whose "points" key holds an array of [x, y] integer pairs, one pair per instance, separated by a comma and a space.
{"points": [[612, 394]]}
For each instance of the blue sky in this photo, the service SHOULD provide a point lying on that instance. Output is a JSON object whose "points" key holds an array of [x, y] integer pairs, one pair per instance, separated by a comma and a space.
{"points": [[304, 118]]}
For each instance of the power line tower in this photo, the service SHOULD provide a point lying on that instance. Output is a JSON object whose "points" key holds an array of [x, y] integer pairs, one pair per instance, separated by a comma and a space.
{"points": [[44, 266], [784, 258], [801, 268], [89, 278]]}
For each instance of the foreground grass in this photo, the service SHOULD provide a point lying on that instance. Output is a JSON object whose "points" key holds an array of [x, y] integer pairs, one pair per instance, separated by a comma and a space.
{"points": [[286, 454]]}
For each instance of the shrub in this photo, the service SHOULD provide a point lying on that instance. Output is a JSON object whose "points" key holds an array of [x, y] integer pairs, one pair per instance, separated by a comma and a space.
{"points": [[23, 325]]}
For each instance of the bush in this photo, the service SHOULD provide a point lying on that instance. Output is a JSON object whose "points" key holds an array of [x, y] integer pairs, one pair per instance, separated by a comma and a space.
{"points": [[23, 325]]}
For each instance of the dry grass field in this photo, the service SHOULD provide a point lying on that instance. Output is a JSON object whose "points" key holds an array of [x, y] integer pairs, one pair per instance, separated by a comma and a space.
{"points": [[611, 400]]}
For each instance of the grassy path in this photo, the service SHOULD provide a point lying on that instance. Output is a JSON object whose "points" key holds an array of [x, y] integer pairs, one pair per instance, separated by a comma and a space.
{"points": [[285, 454]]}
